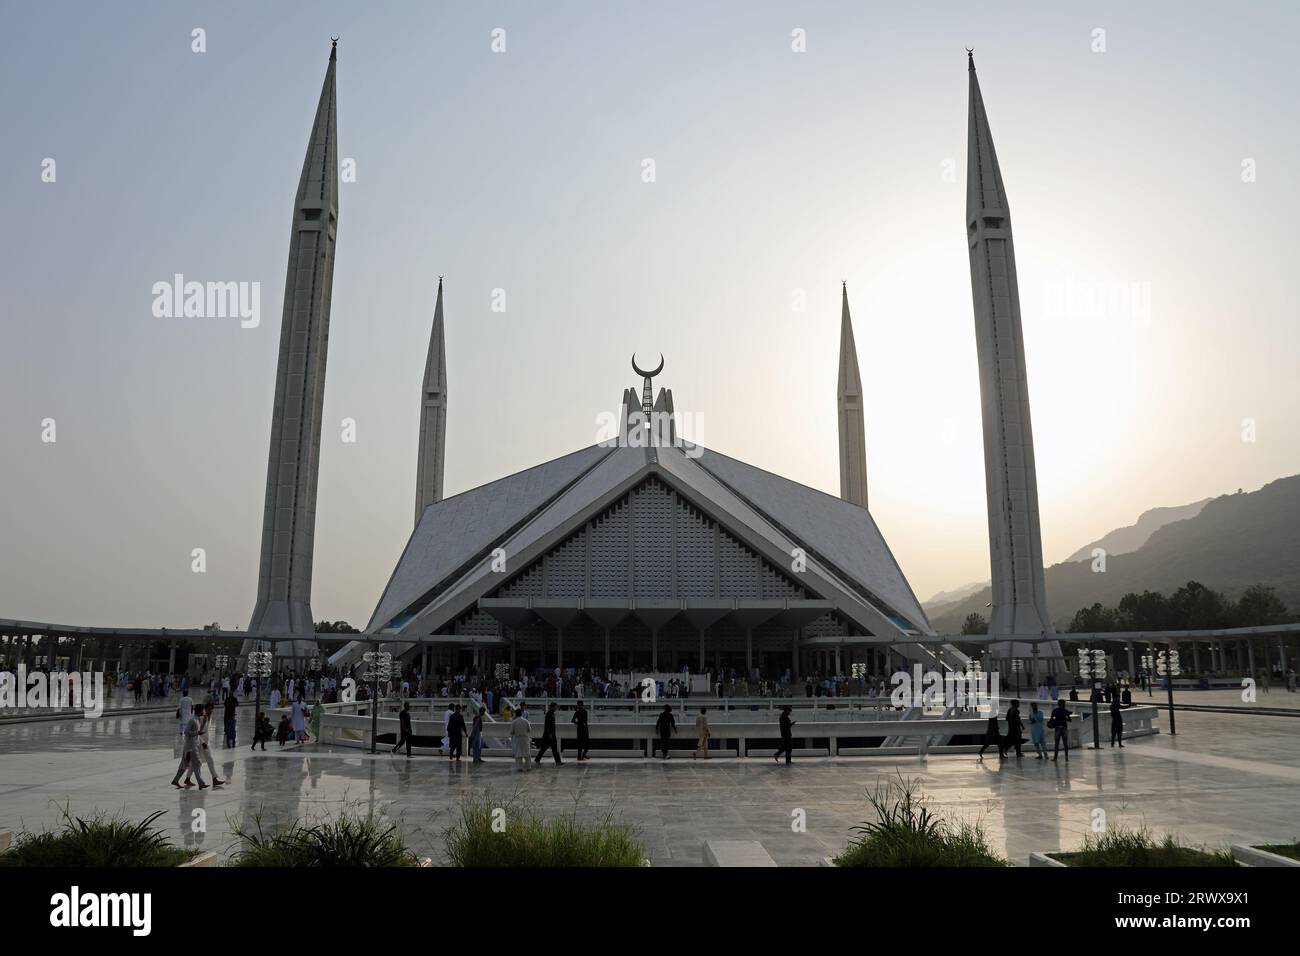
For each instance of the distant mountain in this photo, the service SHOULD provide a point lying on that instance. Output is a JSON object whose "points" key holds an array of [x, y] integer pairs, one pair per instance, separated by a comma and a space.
{"points": [[956, 594], [1127, 540], [1232, 542]]}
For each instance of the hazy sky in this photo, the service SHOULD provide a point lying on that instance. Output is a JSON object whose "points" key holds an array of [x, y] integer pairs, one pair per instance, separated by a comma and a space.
{"points": [[1157, 287]]}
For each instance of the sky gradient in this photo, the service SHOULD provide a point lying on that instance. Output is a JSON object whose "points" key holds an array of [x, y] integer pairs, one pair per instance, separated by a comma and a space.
{"points": [[1156, 285]]}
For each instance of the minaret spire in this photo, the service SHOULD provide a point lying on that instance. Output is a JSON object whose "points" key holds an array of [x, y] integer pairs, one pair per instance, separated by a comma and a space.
{"points": [[289, 521], [433, 417], [853, 431], [1019, 603]]}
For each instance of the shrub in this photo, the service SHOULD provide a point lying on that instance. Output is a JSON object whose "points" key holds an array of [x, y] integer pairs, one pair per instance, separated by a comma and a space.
{"points": [[347, 840], [99, 841], [1121, 847], [1291, 850], [906, 833], [489, 834]]}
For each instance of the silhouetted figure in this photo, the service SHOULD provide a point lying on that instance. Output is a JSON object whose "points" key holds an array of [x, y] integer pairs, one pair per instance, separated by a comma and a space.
{"points": [[404, 719], [549, 741], [584, 737], [993, 737], [1060, 722], [787, 736], [665, 727], [1116, 723], [456, 733], [1015, 729]]}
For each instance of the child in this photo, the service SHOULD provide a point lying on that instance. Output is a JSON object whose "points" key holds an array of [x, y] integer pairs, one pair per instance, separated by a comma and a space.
{"points": [[284, 730]]}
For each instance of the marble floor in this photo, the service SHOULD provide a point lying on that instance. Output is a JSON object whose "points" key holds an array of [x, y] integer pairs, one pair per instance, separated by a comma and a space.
{"points": [[1224, 778]]}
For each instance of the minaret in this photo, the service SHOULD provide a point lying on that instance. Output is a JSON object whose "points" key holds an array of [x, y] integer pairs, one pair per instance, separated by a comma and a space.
{"points": [[853, 432], [433, 417], [1015, 545], [289, 522]]}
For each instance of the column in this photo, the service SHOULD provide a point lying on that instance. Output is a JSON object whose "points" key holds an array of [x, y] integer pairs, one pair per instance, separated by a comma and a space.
{"points": [[703, 665], [1196, 657], [749, 652], [559, 647], [606, 650], [1132, 666], [794, 655], [171, 658], [654, 649]]}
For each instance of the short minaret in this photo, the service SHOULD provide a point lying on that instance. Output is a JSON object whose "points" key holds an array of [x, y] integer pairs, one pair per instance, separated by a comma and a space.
{"points": [[433, 417], [1019, 603], [289, 522], [853, 430]]}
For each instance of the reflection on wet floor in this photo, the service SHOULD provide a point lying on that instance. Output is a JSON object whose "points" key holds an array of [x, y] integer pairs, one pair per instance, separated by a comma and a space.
{"points": [[1222, 779]]}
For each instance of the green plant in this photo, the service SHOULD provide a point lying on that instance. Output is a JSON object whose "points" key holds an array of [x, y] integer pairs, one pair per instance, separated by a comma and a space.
{"points": [[1123, 847], [347, 840], [906, 833], [101, 840], [513, 834], [1283, 849]]}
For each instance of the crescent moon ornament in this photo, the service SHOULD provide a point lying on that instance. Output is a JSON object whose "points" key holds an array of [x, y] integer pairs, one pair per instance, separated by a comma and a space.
{"points": [[645, 374]]}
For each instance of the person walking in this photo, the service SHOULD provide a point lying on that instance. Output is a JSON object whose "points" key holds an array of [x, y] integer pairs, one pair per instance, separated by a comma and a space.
{"points": [[702, 734], [404, 725], [184, 710], [189, 755], [204, 752], [1060, 722], [298, 720], [787, 736], [520, 733], [232, 705], [455, 731], [1116, 721], [549, 741], [1037, 731], [665, 727], [1015, 729], [476, 736], [584, 738], [993, 737]]}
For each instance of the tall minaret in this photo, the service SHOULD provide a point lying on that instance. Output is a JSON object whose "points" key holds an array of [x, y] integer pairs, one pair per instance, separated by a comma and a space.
{"points": [[1015, 545], [853, 432], [433, 418], [288, 526]]}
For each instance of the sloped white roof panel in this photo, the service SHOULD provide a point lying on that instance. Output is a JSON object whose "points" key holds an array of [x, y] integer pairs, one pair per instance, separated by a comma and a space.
{"points": [[452, 531], [844, 534]]}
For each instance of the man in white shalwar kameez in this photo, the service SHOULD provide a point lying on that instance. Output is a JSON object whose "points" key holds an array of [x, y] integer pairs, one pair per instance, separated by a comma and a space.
{"points": [[521, 733], [446, 724]]}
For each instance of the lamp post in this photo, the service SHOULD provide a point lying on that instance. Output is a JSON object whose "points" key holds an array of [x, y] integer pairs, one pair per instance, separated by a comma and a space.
{"points": [[221, 660], [1092, 665], [1167, 666], [259, 666], [379, 665]]}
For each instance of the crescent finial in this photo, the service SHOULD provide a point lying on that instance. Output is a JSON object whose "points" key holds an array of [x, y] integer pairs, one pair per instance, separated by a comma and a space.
{"points": [[645, 374]]}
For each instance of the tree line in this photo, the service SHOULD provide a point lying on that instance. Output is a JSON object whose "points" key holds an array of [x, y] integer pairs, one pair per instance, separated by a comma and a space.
{"points": [[1192, 607]]}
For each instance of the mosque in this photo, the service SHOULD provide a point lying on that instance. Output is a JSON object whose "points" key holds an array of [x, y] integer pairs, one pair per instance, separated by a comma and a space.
{"points": [[647, 552]]}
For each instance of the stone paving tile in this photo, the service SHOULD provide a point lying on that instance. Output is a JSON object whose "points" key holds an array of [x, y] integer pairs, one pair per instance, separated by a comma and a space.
{"points": [[1224, 778]]}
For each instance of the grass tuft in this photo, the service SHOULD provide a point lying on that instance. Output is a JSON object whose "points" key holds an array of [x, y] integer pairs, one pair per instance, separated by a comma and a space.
{"points": [[349, 840], [491, 834], [906, 833], [101, 840], [1123, 847]]}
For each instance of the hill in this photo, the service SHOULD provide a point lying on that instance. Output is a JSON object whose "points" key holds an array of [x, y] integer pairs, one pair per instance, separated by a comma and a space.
{"points": [[1232, 542]]}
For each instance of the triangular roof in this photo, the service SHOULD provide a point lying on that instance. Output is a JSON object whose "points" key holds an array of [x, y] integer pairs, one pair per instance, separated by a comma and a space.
{"points": [[447, 565]]}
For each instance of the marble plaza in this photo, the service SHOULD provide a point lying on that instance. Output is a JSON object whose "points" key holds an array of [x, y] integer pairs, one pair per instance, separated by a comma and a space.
{"points": [[1223, 779]]}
